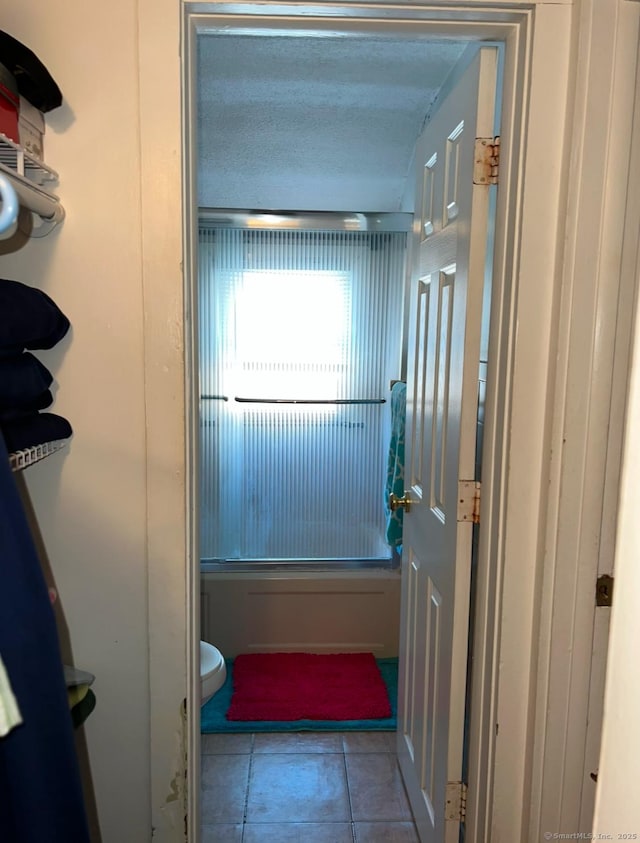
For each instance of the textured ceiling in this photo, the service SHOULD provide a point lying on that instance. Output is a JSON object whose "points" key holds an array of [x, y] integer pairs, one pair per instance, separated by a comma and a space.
{"points": [[303, 123]]}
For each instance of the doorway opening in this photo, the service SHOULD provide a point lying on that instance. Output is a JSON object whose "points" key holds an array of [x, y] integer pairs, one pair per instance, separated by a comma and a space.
{"points": [[250, 355], [361, 31]]}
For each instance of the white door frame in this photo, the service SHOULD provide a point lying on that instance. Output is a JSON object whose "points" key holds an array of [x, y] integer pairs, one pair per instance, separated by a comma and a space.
{"points": [[549, 47], [515, 467], [615, 811], [596, 309]]}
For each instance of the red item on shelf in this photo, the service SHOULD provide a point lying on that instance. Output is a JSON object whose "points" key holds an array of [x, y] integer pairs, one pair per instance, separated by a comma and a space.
{"points": [[9, 105]]}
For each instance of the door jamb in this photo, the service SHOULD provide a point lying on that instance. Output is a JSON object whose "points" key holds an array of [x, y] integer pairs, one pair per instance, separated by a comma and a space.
{"points": [[598, 289]]}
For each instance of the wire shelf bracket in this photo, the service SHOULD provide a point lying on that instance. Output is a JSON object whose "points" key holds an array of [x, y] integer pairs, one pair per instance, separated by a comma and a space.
{"points": [[19, 460], [32, 181]]}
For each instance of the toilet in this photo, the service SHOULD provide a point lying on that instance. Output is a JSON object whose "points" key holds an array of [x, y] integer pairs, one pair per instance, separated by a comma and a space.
{"points": [[213, 671]]}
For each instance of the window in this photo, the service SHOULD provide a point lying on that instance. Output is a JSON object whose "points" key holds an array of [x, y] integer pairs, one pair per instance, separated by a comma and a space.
{"points": [[293, 333]]}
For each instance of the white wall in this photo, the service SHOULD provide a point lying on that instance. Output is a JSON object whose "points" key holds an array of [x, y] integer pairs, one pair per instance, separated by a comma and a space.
{"points": [[90, 500]]}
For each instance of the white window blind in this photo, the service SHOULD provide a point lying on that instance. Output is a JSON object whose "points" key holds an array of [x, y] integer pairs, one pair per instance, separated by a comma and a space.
{"points": [[296, 316]]}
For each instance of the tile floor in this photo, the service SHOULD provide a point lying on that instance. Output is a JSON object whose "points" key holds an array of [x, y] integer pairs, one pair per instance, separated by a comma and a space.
{"points": [[304, 787]]}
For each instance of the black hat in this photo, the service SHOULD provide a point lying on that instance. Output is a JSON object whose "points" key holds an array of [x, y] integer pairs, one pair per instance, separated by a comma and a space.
{"points": [[35, 83]]}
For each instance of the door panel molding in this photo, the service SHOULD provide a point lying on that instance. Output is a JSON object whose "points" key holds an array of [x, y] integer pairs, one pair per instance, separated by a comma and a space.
{"points": [[442, 400]]}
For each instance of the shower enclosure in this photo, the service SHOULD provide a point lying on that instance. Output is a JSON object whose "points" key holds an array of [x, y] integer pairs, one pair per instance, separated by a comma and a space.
{"points": [[300, 336]]}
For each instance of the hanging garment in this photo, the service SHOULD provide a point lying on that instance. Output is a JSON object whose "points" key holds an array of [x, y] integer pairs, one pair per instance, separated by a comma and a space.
{"points": [[40, 791], [395, 463]]}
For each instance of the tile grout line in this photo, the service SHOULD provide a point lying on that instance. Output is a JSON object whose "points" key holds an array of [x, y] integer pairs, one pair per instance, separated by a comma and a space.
{"points": [[346, 778], [246, 792]]}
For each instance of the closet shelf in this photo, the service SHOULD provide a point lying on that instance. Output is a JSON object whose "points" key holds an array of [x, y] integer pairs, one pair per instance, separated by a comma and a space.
{"points": [[23, 459], [32, 181]]}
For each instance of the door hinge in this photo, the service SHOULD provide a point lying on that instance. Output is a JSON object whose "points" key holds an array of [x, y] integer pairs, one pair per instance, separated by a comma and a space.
{"points": [[456, 802], [469, 501], [604, 590], [486, 160]]}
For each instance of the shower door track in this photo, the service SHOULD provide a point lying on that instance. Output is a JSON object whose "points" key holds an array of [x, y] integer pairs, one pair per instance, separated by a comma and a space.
{"points": [[211, 566]]}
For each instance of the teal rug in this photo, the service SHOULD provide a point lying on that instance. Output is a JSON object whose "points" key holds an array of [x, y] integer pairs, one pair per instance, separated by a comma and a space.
{"points": [[213, 719]]}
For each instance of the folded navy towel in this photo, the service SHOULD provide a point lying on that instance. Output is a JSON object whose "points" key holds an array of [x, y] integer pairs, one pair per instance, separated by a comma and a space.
{"points": [[27, 405], [34, 429], [22, 379], [29, 318]]}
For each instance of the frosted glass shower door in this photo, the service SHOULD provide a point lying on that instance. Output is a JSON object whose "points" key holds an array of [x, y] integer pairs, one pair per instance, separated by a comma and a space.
{"points": [[299, 336]]}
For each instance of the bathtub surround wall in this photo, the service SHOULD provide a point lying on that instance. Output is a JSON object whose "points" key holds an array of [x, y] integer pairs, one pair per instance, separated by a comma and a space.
{"points": [[305, 612]]}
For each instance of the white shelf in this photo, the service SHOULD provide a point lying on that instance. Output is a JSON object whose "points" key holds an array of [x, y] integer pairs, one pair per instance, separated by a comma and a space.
{"points": [[23, 459], [32, 181]]}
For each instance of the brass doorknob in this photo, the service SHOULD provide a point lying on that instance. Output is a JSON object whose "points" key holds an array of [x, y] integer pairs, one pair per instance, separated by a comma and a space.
{"points": [[395, 502]]}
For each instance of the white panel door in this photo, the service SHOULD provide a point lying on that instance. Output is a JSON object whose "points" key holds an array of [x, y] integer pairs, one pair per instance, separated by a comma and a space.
{"points": [[448, 272]]}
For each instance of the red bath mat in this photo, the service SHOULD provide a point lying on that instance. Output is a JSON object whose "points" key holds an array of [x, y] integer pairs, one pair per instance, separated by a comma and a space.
{"points": [[306, 686]]}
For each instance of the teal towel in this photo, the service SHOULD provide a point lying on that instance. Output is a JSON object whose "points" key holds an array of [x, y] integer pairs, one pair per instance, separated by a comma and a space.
{"points": [[395, 462]]}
